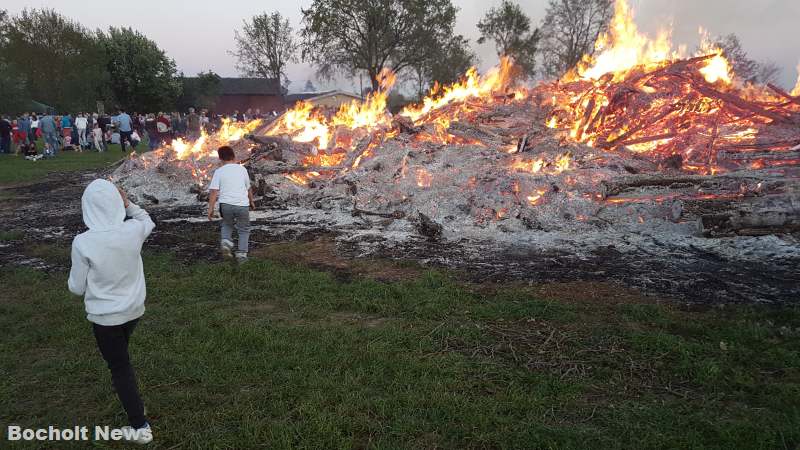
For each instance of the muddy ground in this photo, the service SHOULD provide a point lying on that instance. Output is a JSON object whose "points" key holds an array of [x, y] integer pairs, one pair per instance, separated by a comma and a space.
{"points": [[48, 213]]}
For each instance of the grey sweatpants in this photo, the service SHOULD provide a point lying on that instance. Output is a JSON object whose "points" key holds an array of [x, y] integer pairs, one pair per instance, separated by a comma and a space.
{"points": [[238, 217]]}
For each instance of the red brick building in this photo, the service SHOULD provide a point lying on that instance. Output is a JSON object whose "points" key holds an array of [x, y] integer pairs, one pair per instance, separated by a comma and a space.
{"points": [[241, 94]]}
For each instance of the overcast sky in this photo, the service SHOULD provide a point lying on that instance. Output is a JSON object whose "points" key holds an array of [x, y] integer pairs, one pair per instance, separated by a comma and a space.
{"points": [[199, 33]]}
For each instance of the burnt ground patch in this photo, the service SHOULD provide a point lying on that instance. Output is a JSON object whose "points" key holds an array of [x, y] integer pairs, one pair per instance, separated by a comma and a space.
{"points": [[44, 214]]}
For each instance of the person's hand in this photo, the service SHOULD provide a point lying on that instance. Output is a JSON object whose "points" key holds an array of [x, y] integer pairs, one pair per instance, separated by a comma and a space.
{"points": [[252, 206], [124, 196], [210, 214]]}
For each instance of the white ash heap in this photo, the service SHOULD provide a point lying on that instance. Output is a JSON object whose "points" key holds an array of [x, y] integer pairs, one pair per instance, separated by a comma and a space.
{"points": [[666, 149]]}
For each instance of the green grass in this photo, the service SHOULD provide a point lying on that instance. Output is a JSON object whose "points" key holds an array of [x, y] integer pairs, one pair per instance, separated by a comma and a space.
{"points": [[16, 169], [11, 235], [281, 356]]}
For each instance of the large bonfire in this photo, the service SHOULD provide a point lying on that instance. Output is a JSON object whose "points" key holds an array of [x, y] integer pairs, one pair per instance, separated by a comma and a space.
{"points": [[638, 133]]}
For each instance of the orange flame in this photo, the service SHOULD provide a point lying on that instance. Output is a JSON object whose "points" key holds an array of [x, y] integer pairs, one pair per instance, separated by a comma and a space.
{"points": [[622, 48], [206, 145], [305, 123], [471, 86], [717, 68]]}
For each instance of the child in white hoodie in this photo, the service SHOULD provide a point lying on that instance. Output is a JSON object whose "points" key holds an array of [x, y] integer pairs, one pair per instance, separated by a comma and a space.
{"points": [[107, 269]]}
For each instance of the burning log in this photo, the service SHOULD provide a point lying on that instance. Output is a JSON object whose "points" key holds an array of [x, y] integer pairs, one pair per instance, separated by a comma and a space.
{"points": [[706, 89], [784, 94], [618, 186], [405, 125]]}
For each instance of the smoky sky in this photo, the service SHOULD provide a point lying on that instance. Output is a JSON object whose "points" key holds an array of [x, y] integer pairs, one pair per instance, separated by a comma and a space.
{"points": [[198, 34]]}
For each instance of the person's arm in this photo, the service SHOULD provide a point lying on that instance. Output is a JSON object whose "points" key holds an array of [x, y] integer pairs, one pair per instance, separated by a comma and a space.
{"points": [[137, 214], [212, 201], [78, 272], [250, 197]]}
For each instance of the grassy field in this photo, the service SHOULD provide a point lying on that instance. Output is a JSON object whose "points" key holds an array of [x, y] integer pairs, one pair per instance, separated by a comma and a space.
{"points": [[282, 356], [276, 354], [16, 169]]}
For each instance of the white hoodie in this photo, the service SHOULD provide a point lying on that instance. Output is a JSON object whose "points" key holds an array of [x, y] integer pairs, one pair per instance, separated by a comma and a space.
{"points": [[106, 259]]}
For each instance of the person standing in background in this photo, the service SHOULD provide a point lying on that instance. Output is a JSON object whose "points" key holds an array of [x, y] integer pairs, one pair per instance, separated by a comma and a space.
{"points": [[5, 135], [47, 125], [97, 138], [24, 126], [163, 127], [81, 123], [66, 128], [125, 124], [34, 130], [192, 125], [19, 137], [151, 131]]}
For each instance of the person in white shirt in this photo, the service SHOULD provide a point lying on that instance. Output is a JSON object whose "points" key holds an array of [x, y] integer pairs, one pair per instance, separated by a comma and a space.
{"points": [[107, 270], [231, 186], [97, 137], [80, 124]]}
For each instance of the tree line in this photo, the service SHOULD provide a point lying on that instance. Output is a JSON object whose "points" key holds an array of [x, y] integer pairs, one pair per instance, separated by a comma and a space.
{"points": [[52, 59], [416, 38]]}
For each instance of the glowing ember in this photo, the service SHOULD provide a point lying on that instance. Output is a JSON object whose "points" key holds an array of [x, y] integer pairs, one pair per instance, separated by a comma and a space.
{"points": [[537, 198], [424, 178]]}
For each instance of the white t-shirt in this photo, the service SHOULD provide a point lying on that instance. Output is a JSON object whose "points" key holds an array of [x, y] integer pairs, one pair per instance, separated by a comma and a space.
{"points": [[80, 123], [233, 184]]}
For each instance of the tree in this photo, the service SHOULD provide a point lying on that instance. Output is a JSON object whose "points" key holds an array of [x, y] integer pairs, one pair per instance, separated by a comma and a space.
{"points": [[5, 23], [265, 46], [745, 68], [199, 92], [510, 29], [13, 92], [58, 61], [768, 72], [310, 87], [350, 36], [448, 62], [13, 89], [141, 75], [569, 31]]}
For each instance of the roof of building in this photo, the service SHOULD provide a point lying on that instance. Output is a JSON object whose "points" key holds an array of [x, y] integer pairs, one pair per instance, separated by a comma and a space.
{"points": [[297, 96], [249, 86], [314, 96]]}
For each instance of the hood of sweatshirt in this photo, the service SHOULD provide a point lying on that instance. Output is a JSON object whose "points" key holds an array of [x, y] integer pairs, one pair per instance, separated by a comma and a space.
{"points": [[102, 206]]}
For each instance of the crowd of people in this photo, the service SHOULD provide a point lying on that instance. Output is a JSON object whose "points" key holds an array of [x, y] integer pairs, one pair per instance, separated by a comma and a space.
{"points": [[95, 132]]}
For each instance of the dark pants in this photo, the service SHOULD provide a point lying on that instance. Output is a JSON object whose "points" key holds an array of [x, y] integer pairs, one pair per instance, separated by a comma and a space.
{"points": [[125, 136], [113, 344], [5, 144]]}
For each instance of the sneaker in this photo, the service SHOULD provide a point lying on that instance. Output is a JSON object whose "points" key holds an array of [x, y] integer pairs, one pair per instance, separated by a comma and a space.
{"points": [[141, 436], [226, 247], [241, 257]]}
